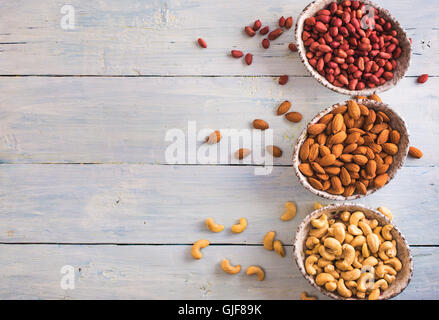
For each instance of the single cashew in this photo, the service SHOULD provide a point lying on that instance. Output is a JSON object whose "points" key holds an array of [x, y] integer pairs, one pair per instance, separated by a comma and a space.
{"points": [[195, 251], [373, 242], [365, 227], [278, 248], [354, 230], [345, 216], [290, 211], [310, 264], [386, 212], [339, 231], [323, 262], [370, 261], [381, 270], [268, 240], [395, 263], [318, 233], [331, 270], [324, 277], [365, 250], [365, 281], [342, 290], [348, 254], [212, 226], [317, 206], [240, 227], [343, 266], [350, 284], [358, 241], [356, 263], [256, 270], [311, 242], [373, 223], [356, 217], [320, 222], [381, 284], [384, 249], [351, 275], [325, 254], [348, 238], [374, 294], [303, 296], [385, 232], [331, 286], [377, 231], [333, 245], [225, 265]]}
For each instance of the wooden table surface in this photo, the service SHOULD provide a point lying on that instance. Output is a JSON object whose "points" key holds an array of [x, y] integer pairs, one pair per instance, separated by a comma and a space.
{"points": [[83, 176]]}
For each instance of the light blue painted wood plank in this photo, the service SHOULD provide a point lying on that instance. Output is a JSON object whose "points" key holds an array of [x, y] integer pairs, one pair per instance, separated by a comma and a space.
{"points": [[168, 272], [169, 204], [159, 37], [126, 119]]}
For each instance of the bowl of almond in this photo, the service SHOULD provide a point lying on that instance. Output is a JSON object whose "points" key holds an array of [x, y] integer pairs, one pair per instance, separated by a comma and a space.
{"points": [[351, 149], [351, 252]]}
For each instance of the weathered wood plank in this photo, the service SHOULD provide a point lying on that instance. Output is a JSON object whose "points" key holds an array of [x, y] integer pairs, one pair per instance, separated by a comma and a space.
{"points": [[86, 120], [159, 37], [168, 272], [168, 204]]}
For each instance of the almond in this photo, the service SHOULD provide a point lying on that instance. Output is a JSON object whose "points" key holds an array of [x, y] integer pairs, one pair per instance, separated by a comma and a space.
{"points": [[316, 184], [324, 151], [304, 152], [394, 137], [349, 190], [350, 148], [316, 128], [384, 116], [354, 110], [383, 136], [390, 148], [360, 159], [352, 167], [337, 123], [415, 152], [214, 137], [340, 109], [380, 180], [321, 139], [242, 153], [345, 177], [260, 124], [313, 152], [333, 171], [327, 160], [337, 150], [338, 138], [306, 169], [382, 168], [275, 151], [336, 184], [378, 128], [317, 168], [283, 107], [346, 157], [326, 118], [352, 137], [294, 116], [326, 185], [371, 167], [375, 98], [361, 188]]}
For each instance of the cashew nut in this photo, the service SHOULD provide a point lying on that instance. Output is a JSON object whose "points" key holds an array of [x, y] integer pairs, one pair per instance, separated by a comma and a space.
{"points": [[324, 277], [320, 222], [278, 248], [268, 240], [395, 263], [370, 261], [356, 217], [311, 242], [373, 242], [225, 265], [240, 227], [339, 231], [374, 294], [342, 290], [309, 264], [195, 251], [348, 238], [212, 226], [325, 254], [256, 270], [385, 232], [331, 270], [303, 296], [351, 275], [323, 262], [377, 231], [383, 269], [384, 249], [350, 284], [373, 223], [345, 216], [365, 227], [290, 211], [380, 284], [365, 281], [333, 245], [349, 256], [354, 230], [386, 212], [358, 241], [365, 250], [331, 286], [318, 233], [356, 263]]}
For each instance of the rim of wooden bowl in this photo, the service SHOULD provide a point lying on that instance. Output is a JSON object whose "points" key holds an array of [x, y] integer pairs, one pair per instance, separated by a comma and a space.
{"points": [[396, 122], [404, 254], [403, 61]]}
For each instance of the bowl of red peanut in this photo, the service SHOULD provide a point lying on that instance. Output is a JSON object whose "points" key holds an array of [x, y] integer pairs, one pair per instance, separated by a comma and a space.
{"points": [[352, 47]]}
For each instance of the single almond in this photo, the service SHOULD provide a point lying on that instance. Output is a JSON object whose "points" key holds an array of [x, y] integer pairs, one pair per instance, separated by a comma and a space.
{"points": [[313, 152], [375, 98], [394, 136], [293, 116], [352, 137], [316, 184], [380, 180], [260, 124], [332, 170], [275, 151], [337, 123], [327, 160], [337, 138], [383, 136], [283, 107], [318, 169], [360, 159], [304, 152], [345, 177], [316, 128], [361, 188], [390, 148], [340, 109], [214, 137], [306, 169], [337, 150], [354, 110], [326, 118], [349, 190], [371, 167], [242, 153], [415, 152]]}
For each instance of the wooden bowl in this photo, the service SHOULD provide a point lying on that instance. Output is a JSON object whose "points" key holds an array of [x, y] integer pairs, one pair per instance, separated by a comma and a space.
{"points": [[332, 211], [396, 122], [403, 61]]}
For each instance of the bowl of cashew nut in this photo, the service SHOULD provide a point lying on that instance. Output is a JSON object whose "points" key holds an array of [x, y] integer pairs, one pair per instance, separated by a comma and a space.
{"points": [[351, 252]]}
